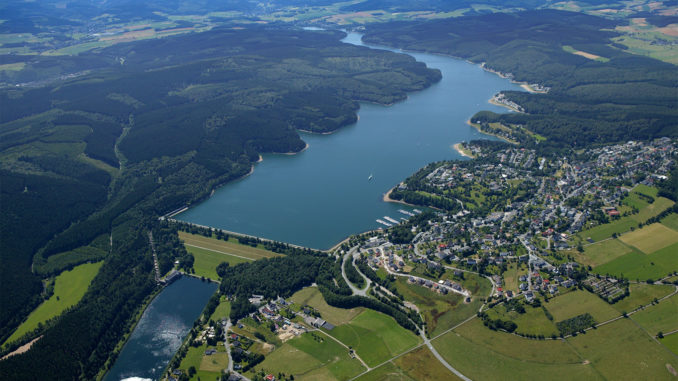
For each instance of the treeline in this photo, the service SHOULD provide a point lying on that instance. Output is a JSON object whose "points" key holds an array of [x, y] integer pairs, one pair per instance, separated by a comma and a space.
{"points": [[616, 98]]}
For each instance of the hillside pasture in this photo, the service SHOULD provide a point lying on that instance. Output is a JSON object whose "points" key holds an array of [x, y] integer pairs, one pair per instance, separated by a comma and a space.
{"points": [[602, 252], [311, 296], [650, 238], [482, 354], [375, 337], [579, 302], [641, 266], [312, 356], [659, 317], [622, 350], [69, 287], [642, 294]]}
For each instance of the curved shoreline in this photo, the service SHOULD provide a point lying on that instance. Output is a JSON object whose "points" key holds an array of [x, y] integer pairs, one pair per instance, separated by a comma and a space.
{"points": [[477, 127], [458, 147]]}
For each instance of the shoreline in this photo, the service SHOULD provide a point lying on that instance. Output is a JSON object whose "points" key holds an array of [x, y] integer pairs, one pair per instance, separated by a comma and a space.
{"points": [[492, 101], [462, 151], [477, 127]]}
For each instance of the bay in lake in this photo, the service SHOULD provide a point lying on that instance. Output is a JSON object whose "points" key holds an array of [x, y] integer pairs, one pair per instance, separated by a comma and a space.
{"points": [[324, 194]]}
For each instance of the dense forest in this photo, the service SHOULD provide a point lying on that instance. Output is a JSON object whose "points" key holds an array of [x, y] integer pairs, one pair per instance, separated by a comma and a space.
{"points": [[87, 162], [610, 96]]}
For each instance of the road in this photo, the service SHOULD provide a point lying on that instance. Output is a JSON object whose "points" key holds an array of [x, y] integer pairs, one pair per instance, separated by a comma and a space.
{"points": [[356, 290]]}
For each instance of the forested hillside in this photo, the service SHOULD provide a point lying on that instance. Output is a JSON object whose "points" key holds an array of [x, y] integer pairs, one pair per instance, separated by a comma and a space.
{"points": [[97, 158], [598, 93]]}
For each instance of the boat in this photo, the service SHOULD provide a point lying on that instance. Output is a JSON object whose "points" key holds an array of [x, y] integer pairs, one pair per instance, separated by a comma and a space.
{"points": [[369, 178]]}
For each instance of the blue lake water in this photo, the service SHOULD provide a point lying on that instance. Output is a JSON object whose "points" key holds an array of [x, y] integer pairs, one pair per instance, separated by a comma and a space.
{"points": [[161, 330], [322, 195]]}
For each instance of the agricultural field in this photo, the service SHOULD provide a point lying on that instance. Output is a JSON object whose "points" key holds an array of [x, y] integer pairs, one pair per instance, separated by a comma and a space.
{"points": [[375, 337], [482, 354], [671, 221], [440, 312], [206, 261], [420, 364], [625, 224], [69, 287], [642, 294], [578, 302], [641, 266], [601, 252], [660, 317], [337, 316], [622, 350], [650, 238], [671, 342], [230, 247], [311, 356], [210, 252]]}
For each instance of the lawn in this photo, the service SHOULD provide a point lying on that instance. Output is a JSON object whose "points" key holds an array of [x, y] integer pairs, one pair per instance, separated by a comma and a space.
{"points": [[660, 317], [511, 275], [420, 364], [311, 296], [312, 356], [579, 302], [206, 261], [375, 337], [642, 294], [231, 247], [623, 351], [602, 252], [641, 266], [69, 288], [482, 354], [650, 238], [214, 363], [440, 312]]}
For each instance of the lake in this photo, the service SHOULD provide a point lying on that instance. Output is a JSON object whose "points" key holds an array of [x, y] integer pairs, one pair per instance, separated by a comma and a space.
{"points": [[161, 330], [320, 196]]}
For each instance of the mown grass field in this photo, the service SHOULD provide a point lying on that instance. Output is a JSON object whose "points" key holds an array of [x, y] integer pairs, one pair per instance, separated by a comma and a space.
{"points": [[312, 356], [311, 296], [206, 261], [69, 288], [195, 356], [650, 238], [231, 247], [642, 294], [624, 224], [580, 302], [440, 312], [482, 354], [640, 266], [660, 317], [375, 337], [420, 364], [623, 351], [210, 252], [601, 252]]}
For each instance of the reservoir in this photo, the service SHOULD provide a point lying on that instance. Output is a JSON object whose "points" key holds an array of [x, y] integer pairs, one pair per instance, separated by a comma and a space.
{"points": [[161, 330], [335, 188]]}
